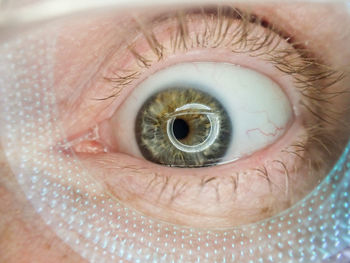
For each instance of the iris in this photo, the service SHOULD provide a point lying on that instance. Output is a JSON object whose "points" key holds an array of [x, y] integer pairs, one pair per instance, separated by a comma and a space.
{"points": [[183, 127]]}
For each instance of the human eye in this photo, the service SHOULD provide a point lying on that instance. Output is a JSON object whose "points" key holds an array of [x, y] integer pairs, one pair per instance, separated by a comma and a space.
{"points": [[73, 91]]}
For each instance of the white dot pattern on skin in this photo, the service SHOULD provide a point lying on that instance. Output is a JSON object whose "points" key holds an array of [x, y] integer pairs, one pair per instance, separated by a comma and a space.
{"points": [[103, 230]]}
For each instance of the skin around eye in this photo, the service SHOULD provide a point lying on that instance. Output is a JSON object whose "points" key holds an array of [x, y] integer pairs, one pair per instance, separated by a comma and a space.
{"points": [[252, 189], [27, 237]]}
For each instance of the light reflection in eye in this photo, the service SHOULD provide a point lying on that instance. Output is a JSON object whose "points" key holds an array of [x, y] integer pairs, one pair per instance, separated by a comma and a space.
{"points": [[114, 238]]}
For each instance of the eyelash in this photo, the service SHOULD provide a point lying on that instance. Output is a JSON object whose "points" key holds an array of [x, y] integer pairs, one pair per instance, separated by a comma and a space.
{"points": [[308, 73]]}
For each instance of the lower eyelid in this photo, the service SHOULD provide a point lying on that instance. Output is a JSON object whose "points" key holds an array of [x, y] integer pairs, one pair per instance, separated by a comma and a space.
{"points": [[175, 194]]}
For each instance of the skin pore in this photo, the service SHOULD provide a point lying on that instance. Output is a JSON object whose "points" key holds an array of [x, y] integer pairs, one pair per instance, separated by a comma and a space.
{"points": [[24, 235]]}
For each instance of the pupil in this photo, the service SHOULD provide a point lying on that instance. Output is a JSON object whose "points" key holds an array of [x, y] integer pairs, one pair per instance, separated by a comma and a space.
{"points": [[180, 129]]}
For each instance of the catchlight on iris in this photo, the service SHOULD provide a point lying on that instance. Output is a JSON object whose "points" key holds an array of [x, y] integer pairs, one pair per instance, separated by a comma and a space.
{"points": [[197, 114]]}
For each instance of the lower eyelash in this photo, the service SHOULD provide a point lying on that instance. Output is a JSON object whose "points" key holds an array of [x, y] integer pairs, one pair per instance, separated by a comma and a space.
{"points": [[308, 153]]}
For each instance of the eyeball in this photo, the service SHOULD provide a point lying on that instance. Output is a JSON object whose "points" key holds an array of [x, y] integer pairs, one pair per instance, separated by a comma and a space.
{"points": [[197, 114]]}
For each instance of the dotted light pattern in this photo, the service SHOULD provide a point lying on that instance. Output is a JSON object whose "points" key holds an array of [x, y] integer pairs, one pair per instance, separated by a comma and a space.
{"points": [[103, 230]]}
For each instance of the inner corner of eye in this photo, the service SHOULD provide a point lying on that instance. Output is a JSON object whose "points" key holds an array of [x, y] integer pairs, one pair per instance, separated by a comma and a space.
{"points": [[199, 114]]}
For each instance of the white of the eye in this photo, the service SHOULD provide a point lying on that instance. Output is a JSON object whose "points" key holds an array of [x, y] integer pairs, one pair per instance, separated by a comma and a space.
{"points": [[259, 109]]}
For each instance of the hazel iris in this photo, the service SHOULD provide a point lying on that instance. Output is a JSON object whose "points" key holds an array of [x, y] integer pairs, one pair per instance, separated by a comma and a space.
{"points": [[183, 127]]}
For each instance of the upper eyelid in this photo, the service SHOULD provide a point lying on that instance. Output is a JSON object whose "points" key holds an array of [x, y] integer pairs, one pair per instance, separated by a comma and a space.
{"points": [[145, 27]]}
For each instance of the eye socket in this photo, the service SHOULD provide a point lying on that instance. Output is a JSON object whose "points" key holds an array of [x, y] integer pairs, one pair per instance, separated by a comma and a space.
{"points": [[50, 175], [226, 112]]}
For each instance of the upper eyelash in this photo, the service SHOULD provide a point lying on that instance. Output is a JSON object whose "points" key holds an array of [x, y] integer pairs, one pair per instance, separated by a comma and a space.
{"points": [[284, 60]]}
